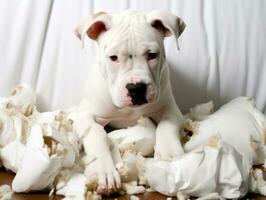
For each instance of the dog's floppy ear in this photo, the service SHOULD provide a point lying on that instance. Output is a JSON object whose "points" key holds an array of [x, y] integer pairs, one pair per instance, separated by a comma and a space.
{"points": [[93, 26], [166, 23]]}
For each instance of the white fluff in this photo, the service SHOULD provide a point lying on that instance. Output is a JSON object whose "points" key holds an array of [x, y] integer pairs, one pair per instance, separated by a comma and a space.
{"points": [[201, 111], [133, 188], [34, 145], [38, 169], [257, 182], [133, 197], [12, 154], [239, 124], [5, 192], [127, 143], [22, 99], [45, 152], [42, 162], [127, 167], [213, 168], [14, 131], [73, 184], [75, 187], [140, 138]]}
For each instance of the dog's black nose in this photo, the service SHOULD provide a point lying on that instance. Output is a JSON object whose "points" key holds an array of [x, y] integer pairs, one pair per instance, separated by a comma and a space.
{"points": [[137, 92]]}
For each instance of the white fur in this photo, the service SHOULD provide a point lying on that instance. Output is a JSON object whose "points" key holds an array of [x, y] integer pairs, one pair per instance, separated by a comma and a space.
{"points": [[105, 99]]}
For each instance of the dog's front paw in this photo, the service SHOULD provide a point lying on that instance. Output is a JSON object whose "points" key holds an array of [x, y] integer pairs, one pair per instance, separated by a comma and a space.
{"points": [[108, 179], [170, 150]]}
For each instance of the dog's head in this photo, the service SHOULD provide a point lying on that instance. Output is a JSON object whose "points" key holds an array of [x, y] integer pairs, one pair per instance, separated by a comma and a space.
{"points": [[131, 52]]}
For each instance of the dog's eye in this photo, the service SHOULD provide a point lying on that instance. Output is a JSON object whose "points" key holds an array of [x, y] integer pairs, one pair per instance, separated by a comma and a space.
{"points": [[151, 56], [113, 58]]}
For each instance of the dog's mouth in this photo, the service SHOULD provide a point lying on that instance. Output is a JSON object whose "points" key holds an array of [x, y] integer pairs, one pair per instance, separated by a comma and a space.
{"points": [[137, 101], [137, 93], [140, 101]]}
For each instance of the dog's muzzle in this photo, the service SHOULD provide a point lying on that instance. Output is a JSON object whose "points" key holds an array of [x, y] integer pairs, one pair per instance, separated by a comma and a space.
{"points": [[137, 93]]}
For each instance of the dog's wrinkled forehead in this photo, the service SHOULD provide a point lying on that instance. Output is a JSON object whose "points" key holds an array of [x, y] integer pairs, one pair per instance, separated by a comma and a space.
{"points": [[128, 23], [132, 30]]}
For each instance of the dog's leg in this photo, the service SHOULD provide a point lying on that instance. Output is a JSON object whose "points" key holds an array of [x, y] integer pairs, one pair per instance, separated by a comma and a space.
{"points": [[168, 145], [97, 145]]}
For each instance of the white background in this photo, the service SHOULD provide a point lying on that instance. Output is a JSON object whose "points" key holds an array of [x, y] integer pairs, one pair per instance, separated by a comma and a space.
{"points": [[222, 50]]}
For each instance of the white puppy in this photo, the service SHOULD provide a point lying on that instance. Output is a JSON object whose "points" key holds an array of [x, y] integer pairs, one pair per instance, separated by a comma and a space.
{"points": [[129, 80]]}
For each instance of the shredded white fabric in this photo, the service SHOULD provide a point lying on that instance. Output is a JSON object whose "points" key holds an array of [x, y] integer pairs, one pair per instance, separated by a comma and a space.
{"points": [[44, 152], [133, 188], [5, 192], [237, 119], [215, 167], [133, 197]]}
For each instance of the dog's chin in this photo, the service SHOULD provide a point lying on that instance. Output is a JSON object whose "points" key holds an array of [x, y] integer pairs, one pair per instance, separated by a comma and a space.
{"points": [[130, 104]]}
